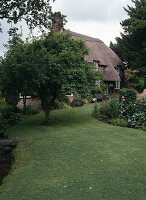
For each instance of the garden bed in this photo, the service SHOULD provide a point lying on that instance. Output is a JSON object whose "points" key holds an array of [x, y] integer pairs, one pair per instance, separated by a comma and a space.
{"points": [[123, 110]]}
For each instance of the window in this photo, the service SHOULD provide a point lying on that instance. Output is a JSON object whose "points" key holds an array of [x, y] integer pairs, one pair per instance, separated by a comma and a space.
{"points": [[97, 82], [117, 85], [95, 62]]}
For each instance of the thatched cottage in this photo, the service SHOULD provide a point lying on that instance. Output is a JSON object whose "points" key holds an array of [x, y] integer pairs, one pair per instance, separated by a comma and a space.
{"points": [[102, 57]]}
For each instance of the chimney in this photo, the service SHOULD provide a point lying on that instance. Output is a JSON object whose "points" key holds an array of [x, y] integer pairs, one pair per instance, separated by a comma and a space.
{"points": [[57, 21]]}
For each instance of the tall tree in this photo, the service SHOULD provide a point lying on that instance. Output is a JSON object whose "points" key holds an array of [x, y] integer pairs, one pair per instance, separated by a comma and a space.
{"points": [[50, 67], [131, 46]]}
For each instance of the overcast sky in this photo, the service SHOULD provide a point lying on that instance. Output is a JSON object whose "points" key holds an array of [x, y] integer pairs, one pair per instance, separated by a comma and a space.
{"points": [[97, 18]]}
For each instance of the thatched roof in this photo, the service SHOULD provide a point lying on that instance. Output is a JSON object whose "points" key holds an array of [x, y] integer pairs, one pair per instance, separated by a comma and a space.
{"points": [[102, 53]]}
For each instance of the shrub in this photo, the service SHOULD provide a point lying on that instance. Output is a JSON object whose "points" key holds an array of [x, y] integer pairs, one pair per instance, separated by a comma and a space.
{"points": [[77, 102], [130, 109], [119, 122], [110, 109], [56, 105], [29, 110], [141, 106], [129, 95], [127, 112], [96, 111], [138, 84], [64, 106], [9, 115], [137, 120], [60, 105]]}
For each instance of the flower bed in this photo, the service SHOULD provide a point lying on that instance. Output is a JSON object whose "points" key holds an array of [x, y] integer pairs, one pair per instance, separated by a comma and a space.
{"points": [[123, 110]]}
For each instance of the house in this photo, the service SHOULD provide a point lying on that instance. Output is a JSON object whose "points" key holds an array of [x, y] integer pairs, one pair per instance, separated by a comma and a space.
{"points": [[103, 58]]}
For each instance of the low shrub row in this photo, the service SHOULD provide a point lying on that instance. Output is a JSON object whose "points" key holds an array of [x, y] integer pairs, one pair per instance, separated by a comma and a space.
{"points": [[10, 116], [124, 111], [67, 104]]}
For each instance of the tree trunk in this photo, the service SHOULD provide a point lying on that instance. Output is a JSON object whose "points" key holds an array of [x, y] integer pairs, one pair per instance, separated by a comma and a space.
{"points": [[46, 109], [47, 114]]}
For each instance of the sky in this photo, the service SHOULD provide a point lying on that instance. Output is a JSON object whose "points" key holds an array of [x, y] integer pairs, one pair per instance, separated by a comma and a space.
{"points": [[96, 18]]}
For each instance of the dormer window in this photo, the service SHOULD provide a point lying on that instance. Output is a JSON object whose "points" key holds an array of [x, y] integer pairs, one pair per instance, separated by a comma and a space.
{"points": [[96, 65]]}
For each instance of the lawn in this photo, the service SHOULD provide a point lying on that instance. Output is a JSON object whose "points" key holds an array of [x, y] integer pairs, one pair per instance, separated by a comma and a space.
{"points": [[76, 157]]}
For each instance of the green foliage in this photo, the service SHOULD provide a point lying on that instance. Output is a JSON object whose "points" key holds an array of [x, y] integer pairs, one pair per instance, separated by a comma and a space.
{"points": [[96, 111], [131, 46], [29, 110], [130, 109], [35, 13], [77, 102], [11, 72], [125, 112], [48, 68], [60, 105], [110, 109], [137, 120], [119, 122], [138, 84], [9, 115], [65, 106], [129, 95]]}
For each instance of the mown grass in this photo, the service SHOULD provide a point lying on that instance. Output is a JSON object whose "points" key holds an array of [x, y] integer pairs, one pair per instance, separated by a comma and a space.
{"points": [[76, 158]]}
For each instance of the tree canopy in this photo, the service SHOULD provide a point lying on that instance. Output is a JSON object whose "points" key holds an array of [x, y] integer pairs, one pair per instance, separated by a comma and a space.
{"points": [[131, 46], [48, 68], [34, 12]]}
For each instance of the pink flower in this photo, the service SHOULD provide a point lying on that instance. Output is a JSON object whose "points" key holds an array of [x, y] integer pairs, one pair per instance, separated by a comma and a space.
{"points": [[121, 111], [123, 97]]}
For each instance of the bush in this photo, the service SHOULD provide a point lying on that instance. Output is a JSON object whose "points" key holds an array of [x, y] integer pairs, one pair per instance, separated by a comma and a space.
{"points": [[56, 105], [64, 106], [110, 109], [129, 95], [130, 109], [60, 105], [125, 112], [138, 84], [77, 102], [137, 120], [119, 122], [9, 115], [96, 111], [29, 110], [141, 106]]}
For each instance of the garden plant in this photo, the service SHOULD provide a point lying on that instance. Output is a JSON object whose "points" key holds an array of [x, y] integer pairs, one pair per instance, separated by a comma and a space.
{"points": [[124, 110]]}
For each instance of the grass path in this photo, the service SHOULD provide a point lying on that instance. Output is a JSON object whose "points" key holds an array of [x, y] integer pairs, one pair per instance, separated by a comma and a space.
{"points": [[76, 158]]}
